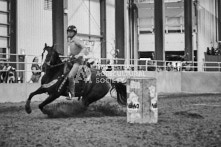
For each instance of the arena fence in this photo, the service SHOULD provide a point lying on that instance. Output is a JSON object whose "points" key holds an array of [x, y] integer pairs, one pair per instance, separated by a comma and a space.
{"points": [[22, 65], [167, 82], [172, 76]]}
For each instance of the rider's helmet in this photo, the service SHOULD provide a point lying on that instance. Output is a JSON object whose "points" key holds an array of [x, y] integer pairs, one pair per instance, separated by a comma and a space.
{"points": [[72, 28]]}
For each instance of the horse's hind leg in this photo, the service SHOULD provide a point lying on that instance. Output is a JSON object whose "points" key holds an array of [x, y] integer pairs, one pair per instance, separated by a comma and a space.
{"points": [[27, 105], [49, 99], [92, 97]]}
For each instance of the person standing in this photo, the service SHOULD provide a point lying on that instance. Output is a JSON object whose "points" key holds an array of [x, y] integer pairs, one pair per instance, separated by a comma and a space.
{"points": [[2, 70], [36, 74]]}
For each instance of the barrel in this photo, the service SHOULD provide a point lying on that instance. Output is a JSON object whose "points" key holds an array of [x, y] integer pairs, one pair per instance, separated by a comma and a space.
{"points": [[142, 100]]}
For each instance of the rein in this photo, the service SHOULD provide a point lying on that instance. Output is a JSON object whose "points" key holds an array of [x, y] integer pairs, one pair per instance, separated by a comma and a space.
{"points": [[56, 65]]}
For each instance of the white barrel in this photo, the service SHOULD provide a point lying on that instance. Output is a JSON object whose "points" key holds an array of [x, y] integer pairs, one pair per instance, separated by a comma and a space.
{"points": [[142, 100]]}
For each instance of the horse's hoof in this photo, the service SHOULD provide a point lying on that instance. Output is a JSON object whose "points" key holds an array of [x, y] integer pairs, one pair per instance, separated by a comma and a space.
{"points": [[28, 109], [43, 110], [27, 106]]}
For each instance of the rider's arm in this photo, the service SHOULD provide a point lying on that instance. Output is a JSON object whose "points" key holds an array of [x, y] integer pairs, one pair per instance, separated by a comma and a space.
{"points": [[78, 42], [84, 53]]}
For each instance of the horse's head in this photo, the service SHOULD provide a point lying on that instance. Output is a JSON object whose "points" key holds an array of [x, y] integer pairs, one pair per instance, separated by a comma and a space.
{"points": [[51, 57]]}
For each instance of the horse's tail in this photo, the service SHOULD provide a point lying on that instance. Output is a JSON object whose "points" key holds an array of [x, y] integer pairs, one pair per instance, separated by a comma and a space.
{"points": [[121, 92]]}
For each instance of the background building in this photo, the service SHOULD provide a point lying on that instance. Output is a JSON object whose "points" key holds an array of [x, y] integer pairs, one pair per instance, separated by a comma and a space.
{"points": [[174, 28], [25, 25]]}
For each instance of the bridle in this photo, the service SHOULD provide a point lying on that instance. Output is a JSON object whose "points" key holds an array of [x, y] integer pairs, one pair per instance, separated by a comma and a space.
{"points": [[48, 63]]}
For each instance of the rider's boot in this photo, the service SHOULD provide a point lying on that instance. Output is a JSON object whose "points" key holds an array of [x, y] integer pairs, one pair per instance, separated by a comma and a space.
{"points": [[71, 92]]}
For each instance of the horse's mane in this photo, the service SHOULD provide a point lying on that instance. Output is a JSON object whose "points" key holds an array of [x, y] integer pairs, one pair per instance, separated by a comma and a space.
{"points": [[56, 54]]}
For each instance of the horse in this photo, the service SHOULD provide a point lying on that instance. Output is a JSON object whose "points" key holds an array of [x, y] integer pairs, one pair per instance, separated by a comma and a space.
{"points": [[55, 83]]}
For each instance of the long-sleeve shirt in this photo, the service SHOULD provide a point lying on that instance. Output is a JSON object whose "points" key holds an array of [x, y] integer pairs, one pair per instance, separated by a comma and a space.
{"points": [[76, 47]]}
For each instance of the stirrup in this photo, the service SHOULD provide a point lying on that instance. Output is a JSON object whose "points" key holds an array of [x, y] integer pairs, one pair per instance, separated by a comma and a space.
{"points": [[69, 96]]}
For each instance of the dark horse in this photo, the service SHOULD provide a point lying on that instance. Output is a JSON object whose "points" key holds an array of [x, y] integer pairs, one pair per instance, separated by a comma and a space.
{"points": [[55, 83]]}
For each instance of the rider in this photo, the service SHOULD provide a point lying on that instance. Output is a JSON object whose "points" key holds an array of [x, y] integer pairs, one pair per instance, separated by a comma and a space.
{"points": [[76, 49]]}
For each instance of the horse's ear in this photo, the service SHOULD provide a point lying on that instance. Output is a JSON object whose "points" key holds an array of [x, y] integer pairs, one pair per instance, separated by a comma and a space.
{"points": [[46, 45]]}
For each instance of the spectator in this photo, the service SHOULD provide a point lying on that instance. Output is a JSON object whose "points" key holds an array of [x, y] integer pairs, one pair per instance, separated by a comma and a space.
{"points": [[2, 71], [7, 73], [208, 51], [109, 67], [212, 51], [169, 66], [178, 66], [174, 65], [11, 74], [36, 74], [151, 65]]}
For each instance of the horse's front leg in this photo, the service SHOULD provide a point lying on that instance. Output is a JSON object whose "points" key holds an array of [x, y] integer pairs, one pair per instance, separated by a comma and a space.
{"points": [[27, 105], [49, 99]]}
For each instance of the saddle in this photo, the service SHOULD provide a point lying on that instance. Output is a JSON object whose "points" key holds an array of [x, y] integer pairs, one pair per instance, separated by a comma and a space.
{"points": [[83, 76]]}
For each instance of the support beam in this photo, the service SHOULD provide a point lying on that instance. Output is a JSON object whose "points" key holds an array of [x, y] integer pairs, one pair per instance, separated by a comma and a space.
{"points": [[219, 21], [58, 25], [103, 28], [135, 35], [133, 17], [188, 30], [12, 29], [119, 28], [135, 31], [130, 26], [159, 30]]}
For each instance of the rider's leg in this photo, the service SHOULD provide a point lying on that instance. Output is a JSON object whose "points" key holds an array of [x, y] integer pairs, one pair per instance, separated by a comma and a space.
{"points": [[71, 76]]}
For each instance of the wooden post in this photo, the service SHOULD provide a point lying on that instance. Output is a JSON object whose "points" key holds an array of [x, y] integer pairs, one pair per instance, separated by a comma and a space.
{"points": [[142, 100]]}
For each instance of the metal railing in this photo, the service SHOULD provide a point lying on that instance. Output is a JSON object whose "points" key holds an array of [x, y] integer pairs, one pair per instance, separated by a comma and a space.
{"points": [[22, 65], [157, 65]]}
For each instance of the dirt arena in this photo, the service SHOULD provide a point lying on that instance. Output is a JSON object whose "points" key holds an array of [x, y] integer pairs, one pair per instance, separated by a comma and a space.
{"points": [[184, 120]]}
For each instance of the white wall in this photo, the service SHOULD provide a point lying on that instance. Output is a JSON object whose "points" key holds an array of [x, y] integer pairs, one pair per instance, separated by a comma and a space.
{"points": [[34, 28], [167, 82], [206, 27], [85, 15], [110, 27], [35, 25], [173, 42], [88, 22]]}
